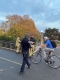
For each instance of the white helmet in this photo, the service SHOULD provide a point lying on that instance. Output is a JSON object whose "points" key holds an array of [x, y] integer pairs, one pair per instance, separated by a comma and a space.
{"points": [[45, 37]]}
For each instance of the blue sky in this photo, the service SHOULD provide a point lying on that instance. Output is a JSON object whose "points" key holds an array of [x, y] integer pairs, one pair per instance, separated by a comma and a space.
{"points": [[45, 13]]}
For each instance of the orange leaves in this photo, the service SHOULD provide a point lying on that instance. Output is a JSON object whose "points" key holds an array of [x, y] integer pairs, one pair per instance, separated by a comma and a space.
{"points": [[20, 25], [1, 32]]}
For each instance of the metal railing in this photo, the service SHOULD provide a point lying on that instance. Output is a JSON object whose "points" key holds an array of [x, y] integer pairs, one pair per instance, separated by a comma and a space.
{"points": [[11, 45], [7, 44]]}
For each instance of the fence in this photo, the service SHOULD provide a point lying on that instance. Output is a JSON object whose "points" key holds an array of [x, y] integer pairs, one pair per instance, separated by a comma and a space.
{"points": [[11, 45], [7, 44]]}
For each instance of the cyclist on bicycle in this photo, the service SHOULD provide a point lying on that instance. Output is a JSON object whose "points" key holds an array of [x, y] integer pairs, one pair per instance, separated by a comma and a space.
{"points": [[47, 47]]}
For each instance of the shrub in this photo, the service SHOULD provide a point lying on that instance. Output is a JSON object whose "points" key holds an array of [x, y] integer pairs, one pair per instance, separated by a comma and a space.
{"points": [[7, 38]]}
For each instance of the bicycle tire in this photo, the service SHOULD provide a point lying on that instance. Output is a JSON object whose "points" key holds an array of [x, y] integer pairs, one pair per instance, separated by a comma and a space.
{"points": [[55, 62], [36, 58]]}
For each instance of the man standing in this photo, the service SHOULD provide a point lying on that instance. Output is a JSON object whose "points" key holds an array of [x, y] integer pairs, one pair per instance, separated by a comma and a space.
{"points": [[31, 50], [25, 51], [18, 44]]}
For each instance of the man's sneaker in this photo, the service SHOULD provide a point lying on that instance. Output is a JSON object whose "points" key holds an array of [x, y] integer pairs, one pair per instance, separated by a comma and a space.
{"points": [[52, 62], [29, 67], [21, 73], [46, 61]]}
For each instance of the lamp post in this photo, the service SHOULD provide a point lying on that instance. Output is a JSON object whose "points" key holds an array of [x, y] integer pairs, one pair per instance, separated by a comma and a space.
{"points": [[41, 37], [52, 37]]}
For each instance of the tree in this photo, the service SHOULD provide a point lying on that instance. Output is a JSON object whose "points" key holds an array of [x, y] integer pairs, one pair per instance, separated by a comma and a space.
{"points": [[52, 33], [1, 32], [19, 25]]}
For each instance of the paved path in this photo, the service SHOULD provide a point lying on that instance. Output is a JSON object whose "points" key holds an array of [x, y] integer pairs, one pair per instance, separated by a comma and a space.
{"points": [[10, 64]]}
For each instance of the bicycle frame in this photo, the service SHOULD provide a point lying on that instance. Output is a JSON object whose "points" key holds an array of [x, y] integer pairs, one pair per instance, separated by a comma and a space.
{"points": [[48, 54], [51, 59]]}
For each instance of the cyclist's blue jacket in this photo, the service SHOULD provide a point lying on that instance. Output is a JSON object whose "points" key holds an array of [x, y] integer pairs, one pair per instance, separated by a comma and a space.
{"points": [[48, 43]]}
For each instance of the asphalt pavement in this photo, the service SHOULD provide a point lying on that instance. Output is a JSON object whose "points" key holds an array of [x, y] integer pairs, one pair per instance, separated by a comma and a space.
{"points": [[10, 64]]}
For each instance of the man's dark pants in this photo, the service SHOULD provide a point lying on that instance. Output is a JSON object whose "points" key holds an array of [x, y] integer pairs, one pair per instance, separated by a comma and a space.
{"points": [[25, 61]]}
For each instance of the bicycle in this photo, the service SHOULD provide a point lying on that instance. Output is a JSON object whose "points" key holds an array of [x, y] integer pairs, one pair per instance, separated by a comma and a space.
{"points": [[53, 61]]}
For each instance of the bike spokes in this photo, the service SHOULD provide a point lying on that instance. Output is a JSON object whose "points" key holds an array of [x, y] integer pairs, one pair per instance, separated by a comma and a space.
{"points": [[36, 58], [55, 62]]}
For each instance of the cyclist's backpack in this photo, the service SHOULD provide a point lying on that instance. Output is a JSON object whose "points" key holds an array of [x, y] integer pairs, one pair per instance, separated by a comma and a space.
{"points": [[53, 43]]}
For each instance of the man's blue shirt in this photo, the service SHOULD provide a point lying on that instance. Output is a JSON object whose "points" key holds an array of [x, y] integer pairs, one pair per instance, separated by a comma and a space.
{"points": [[48, 43]]}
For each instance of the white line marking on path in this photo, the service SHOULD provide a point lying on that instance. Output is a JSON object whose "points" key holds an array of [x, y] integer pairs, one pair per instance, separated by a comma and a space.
{"points": [[10, 61]]}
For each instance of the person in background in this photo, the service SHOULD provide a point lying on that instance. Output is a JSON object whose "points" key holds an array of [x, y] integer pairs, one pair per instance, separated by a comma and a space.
{"points": [[31, 50], [18, 44], [25, 51]]}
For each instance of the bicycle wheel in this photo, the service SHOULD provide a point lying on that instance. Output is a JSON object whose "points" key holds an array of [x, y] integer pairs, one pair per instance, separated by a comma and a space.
{"points": [[36, 58], [54, 62]]}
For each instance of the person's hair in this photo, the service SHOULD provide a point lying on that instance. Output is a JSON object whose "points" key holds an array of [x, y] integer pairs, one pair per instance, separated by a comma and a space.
{"points": [[27, 35]]}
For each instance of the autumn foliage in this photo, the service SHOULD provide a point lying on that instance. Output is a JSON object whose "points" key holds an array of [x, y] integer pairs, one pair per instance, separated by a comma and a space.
{"points": [[1, 32], [17, 26]]}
